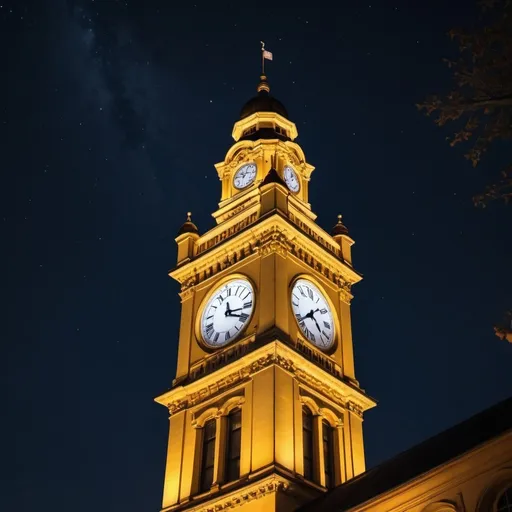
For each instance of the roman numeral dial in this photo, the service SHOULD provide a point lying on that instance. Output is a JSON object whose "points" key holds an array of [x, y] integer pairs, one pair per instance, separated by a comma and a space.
{"points": [[313, 313], [244, 176], [227, 312]]}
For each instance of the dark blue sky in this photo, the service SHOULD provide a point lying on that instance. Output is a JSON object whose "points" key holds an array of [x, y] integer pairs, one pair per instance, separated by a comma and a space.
{"points": [[113, 115]]}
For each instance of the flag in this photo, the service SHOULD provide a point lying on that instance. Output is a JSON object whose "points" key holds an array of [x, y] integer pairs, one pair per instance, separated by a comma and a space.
{"points": [[267, 55]]}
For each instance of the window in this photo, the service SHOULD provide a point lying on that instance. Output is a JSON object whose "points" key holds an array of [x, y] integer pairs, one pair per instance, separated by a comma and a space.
{"points": [[505, 501], [208, 455], [234, 431], [250, 130], [327, 442], [307, 440]]}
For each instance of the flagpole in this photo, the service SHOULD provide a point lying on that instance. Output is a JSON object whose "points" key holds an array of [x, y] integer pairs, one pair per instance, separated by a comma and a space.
{"points": [[262, 57]]}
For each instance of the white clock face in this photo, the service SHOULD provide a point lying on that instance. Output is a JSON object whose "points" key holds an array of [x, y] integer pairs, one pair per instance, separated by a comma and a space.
{"points": [[291, 179], [313, 313], [245, 176], [227, 312]]}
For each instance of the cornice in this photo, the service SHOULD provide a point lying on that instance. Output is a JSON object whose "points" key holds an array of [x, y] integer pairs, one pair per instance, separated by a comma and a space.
{"points": [[273, 353], [258, 117], [236, 205], [270, 485], [300, 208], [270, 234]]}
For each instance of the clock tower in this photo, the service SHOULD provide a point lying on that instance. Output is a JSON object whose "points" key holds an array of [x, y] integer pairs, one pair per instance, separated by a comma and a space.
{"points": [[265, 410]]}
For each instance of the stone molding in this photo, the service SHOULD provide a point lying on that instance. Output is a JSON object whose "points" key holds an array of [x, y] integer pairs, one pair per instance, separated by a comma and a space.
{"points": [[275, 353], [325, 412], [274, 235], [240, 497], [355, 408], [217, 412]]}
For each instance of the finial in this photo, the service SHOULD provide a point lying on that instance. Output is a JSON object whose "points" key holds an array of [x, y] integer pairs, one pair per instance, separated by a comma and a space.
{"points": [[339, 228], [188, 226], [263, 85]]}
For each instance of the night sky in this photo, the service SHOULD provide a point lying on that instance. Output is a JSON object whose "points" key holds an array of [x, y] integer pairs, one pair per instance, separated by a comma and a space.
{"points": [[112, 116]]}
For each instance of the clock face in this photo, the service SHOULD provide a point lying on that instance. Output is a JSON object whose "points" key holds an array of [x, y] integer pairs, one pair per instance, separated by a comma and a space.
{"points": [[313, 313], [245, 176], [227, 312], [291, 179]]}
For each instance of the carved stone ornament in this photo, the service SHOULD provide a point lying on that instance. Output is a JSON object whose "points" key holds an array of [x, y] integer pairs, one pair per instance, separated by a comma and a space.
{"points": [[273, 239], [274, 242], [319, 386], [230, 165], [177, 406], [189, 283], [244, 373], [355, 408], [286, 364], [243, 155], [289, 153], [245, 495]]}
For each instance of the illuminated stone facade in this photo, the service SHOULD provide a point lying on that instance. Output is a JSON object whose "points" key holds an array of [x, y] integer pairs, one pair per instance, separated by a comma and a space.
{"points": [[270, 419], [272, 374]]}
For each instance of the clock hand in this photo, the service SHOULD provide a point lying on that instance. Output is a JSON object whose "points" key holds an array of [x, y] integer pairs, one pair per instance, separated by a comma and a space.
{"points": [[307, 315], [310, 315], [226, 313], [231, 314], [317, 326], [237, 309]]}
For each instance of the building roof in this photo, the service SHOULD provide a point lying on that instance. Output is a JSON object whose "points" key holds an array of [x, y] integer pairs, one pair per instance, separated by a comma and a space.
{"points": [[433, 452], [339, 228], [188, 226], [263, 102]]}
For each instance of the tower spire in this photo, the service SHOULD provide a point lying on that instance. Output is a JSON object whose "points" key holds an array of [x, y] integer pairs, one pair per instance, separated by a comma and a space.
{"points": [[245, 399]]}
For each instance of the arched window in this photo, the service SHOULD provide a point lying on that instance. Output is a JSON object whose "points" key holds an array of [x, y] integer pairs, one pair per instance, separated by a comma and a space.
{"points": [[234, 431], [505, 501], [327, 442], [307, 441], [208, 455]]}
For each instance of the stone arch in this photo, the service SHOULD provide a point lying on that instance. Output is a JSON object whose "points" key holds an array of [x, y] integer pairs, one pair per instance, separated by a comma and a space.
{"points": [[236, 148], [297, 151], [333, 419], [208, 414], [501, 481], [311, 404], [230, 404]]}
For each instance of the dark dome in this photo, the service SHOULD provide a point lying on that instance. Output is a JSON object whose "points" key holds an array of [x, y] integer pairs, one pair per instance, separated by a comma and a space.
{"points": [[339, 228], [188, 226], [263, 102]]}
